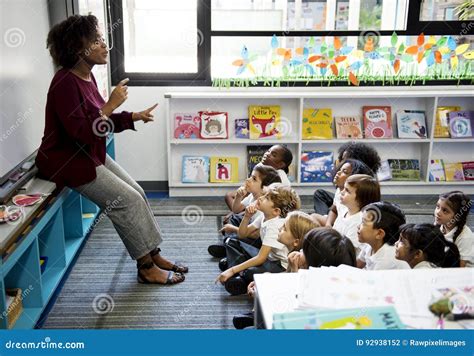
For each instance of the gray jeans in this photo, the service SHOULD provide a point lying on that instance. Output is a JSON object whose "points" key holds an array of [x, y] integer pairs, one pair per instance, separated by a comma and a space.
{"points": [[125, 203]]}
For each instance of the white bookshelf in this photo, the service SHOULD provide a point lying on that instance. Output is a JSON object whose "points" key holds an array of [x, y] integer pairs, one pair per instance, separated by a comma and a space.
{"points": [[343, 102]]}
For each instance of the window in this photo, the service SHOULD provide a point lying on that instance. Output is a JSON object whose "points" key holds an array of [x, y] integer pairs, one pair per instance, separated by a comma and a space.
{"points": [[299, 42], [447, 10]]}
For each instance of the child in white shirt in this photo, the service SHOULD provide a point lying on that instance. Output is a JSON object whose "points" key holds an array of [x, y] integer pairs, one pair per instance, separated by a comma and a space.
{"points": [[244, 260], [379, 231], [424, 246], [359, 190], [452, 210]]}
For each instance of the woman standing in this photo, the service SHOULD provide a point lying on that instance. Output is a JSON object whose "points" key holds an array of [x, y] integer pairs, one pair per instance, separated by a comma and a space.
{"points": [[72, 151]]}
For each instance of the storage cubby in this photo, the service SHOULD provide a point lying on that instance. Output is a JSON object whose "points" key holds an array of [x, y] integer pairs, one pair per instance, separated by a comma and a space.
{"points": [[25, 274], [342, 102], [57, 231]]}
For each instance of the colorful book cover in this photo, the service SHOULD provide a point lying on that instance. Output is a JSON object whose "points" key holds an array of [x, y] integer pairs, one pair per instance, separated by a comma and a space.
{"points": [[186, 126], [264, 122], [437, 171], [460, 124], [241, 128], [195, 169], [441, 129], [454, 172], [317, 124], [316, 166], [405, 169], [385, 318], [254, 156], [214, 124], [224, 170], [348, 127], [468, 168], [377, 121], [384, 172], [411, 124]]}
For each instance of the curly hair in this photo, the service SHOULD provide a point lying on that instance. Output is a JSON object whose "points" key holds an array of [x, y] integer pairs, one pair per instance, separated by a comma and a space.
{"points": [[284, 198], [67, 39], [362, 152]]}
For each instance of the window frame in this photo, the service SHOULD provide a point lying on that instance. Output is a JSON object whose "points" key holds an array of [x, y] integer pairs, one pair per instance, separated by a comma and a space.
{"points": [[414, 27]]}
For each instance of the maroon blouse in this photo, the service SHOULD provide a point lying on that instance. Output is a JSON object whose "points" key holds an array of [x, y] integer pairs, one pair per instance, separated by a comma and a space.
{"points": [[74, 143]]}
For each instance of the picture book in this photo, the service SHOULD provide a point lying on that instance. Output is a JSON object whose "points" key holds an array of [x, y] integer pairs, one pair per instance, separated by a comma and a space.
{"points": [[411, 124], [316, 166], [460, 123], [384, 172], [195, 169], [241, 128], [454, 172], [437, 171], [264, 122], [468, 168], [350, 319], [377, 121], [186, 126], [317, 124], [224, 170], [405, 169], [348, 127], [213, 124], [254, 156], [441, 129]]}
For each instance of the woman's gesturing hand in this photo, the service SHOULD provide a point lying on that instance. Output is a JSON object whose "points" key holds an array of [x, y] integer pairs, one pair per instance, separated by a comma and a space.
{"points": [[117, 97], [144, 115]]}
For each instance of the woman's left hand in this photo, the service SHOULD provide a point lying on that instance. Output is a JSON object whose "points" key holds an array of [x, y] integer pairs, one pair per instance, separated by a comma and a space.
{"points": [[144, 115], [224, 276]]}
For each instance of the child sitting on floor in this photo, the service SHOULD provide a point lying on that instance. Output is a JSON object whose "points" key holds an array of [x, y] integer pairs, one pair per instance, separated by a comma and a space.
{"points": [[322, 199], [452, 210], [359, 191], [245, 260], [344, 170], [278, 157], [262, 176], [379, 228], [424, 246]]}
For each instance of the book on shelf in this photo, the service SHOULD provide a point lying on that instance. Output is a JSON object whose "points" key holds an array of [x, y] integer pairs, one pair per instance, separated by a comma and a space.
{"points": [[384, 173], [405, 169], [316, 166], [254, 156], [355, 319], [186, 125], [317, 124], [224, 170], [264, 122], [348, 127], [195, 169], [460, 124], [411, 124], [241, 128], [214, 124], [454, 172], [441, 127], [468, 168], [377, 121], [437, 171]]}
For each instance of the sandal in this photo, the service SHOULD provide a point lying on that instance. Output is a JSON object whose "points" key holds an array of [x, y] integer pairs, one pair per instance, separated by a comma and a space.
{"points": [[169, 280], [176, 267]]}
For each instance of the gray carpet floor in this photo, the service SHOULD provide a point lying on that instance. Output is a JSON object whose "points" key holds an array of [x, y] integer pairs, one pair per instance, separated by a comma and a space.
{"points": [[101, 290]]}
